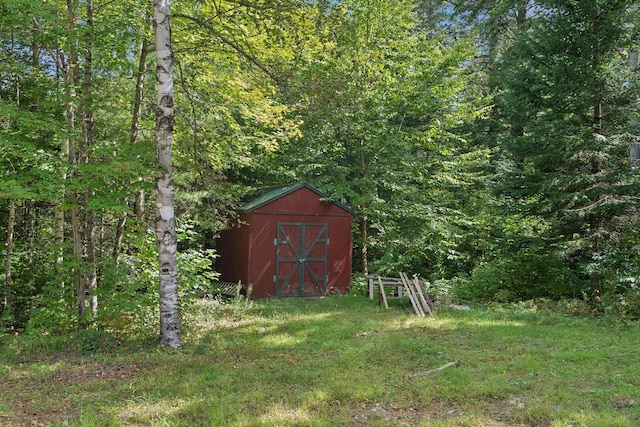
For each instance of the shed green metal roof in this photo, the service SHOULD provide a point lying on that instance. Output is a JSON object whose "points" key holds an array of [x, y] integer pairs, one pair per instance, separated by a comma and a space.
{"points": [[267, 195]]}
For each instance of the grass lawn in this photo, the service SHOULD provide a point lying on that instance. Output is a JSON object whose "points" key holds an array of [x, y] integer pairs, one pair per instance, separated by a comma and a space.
{"points": [[337, 361]]}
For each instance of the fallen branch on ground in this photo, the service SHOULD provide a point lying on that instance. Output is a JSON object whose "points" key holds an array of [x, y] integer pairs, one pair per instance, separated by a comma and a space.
{"points": [[431, 371]]}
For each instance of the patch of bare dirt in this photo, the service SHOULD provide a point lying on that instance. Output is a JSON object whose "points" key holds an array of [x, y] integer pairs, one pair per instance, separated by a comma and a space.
{"points": [[376, 414], [96, 372], [25, 401]]}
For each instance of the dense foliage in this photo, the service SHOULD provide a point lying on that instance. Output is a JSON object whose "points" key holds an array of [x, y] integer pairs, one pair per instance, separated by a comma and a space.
{"points": [[484, 146]]}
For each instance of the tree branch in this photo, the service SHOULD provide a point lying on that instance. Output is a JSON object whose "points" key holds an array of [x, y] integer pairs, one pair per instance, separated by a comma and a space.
{"points": [[230, 43], [431, 371]]}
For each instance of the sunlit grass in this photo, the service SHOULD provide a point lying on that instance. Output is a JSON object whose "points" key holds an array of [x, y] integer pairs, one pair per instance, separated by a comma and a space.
{"points": [[341, 361]]}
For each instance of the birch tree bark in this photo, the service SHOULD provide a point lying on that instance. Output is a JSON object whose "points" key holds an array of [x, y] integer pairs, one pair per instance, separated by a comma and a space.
{"points": [[165, 213]]}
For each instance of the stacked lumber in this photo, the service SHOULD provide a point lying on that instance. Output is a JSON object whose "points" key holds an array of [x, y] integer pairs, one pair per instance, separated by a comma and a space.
{"points": [[402, 286], [393, 284], [419, 298]]}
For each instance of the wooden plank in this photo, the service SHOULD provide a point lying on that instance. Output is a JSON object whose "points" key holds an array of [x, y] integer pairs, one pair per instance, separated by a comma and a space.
{"points": [[418, 287], [384, 278], [391, 282], [413, 289], [420, 296], [370, 286], [412, 297], [432, 306], [382, 294]]}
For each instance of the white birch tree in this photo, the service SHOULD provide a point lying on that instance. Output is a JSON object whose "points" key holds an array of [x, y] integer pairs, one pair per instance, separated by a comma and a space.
{"points": [[165, 214]]}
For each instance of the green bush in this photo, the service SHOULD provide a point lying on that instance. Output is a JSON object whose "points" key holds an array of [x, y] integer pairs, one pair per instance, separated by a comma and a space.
{"points": [[358, 285], [623, 300], [528, 274]]}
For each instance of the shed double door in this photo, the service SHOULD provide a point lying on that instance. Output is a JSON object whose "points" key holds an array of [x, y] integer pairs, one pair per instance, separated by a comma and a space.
{"points": [[301, 259]]}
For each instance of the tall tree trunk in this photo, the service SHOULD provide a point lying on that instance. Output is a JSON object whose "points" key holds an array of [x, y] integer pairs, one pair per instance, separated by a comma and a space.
{"points": [[59, 217], [72, 82], [89, 140], [71, 85], [166, 221], [12, 214], [634, 146], [137, 101], [7, 266], [133, 138], [364, 218]]}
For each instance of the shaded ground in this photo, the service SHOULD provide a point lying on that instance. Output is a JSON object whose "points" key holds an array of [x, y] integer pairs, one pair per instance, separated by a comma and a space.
{"points": [[23, 395]]}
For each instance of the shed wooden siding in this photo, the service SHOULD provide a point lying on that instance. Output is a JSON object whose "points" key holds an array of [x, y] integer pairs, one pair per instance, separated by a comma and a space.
{"points": [[248, 253]]}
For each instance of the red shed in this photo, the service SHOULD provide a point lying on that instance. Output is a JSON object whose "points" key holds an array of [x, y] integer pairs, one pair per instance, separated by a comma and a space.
{"points": [[292, 242]]}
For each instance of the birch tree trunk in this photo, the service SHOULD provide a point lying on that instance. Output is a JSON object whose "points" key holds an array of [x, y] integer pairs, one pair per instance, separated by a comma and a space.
{"points": [[165, 213]]}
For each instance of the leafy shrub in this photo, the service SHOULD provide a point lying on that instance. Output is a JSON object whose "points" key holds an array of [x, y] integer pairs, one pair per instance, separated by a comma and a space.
{"points": [[630, 304], [358, 285], [623, 300], [54, 314], [528, 274], [91, 341]]}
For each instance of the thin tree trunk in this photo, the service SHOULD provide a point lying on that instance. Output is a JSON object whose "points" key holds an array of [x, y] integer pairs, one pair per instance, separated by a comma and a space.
{"points": [[30, 232], [89, 139], [139, 210], [58, 225], [7, 266], [521, 16], [117, 243], [166, 221], [77, 252], [72, 80], [364, 219], [137, 101], [59, 217], [596, 278], [133, 138], [12, 218], [65, 154], [92, 274], [634, 146], [364, 224]]}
